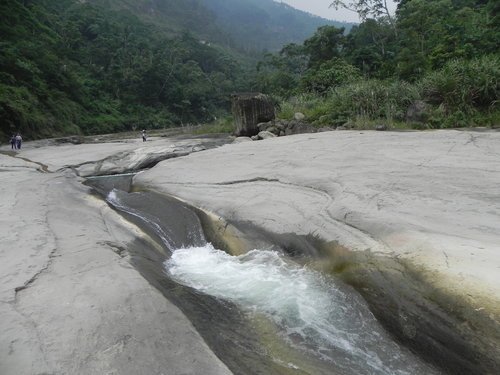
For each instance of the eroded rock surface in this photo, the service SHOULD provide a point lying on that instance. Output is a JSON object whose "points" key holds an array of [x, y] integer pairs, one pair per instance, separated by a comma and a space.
{"points": [[427, 200], [427, 203], [70, 301], [115, 158], [250, 109]]}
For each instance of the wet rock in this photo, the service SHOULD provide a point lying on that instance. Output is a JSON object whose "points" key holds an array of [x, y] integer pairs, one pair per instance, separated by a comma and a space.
{"points": [[434, 242], [254, 138], [78, 247]]}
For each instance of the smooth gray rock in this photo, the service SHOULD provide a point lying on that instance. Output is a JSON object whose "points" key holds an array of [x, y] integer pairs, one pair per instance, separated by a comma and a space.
{"points": [[242, 139], [428, 200], [70, 302], [266, 135], [394, 187]]}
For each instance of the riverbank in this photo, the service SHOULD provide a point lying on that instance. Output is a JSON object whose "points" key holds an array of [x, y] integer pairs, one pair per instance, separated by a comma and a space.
{"points": [[408, 219], [423, 206], [71, 303]]}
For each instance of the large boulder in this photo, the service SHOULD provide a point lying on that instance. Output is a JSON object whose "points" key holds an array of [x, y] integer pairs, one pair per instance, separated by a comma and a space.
{"points": [[250, 109]]}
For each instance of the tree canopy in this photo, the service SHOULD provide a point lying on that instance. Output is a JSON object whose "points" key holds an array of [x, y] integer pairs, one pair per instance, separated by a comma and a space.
{"points": [[69, 66], [449, 45]]}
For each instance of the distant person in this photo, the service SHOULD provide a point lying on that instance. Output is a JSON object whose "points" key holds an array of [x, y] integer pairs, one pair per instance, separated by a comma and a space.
{"points": [[13, 142], [144, 135], [19, 141]]}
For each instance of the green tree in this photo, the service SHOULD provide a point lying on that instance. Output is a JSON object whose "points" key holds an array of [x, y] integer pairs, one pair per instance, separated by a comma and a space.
{"points": [[366, 8], [371, 47], [331, 73], [325, 44]]}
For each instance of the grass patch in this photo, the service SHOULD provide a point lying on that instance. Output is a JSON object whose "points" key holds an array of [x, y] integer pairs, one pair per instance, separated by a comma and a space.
{"points": [[464, 93], [223, 125]]}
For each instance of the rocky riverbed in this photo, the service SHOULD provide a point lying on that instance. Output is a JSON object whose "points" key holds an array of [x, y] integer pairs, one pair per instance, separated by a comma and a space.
{"points": [[410, 220]]}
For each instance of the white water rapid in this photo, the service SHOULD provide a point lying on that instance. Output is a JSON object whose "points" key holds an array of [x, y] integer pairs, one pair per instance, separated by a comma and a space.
{"points": [[315, 312]]}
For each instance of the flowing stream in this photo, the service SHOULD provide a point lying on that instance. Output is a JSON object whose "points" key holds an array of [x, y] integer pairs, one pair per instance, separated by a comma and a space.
{"points": [[326, 326], [316, 313]]}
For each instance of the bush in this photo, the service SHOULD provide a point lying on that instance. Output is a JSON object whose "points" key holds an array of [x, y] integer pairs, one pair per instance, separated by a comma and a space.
{"points": [[222, 125], [329, 74], [311, 105], [464, 86], [373, 99], [463, 93]]}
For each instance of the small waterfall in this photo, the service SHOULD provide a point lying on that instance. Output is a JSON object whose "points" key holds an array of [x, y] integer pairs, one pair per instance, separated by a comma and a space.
{"points": [[171, 221], [321, 318], [315, 312]]}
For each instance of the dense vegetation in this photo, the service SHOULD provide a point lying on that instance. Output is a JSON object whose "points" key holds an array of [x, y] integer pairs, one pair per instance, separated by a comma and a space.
{"points": [[69, 66], [439, 55]]}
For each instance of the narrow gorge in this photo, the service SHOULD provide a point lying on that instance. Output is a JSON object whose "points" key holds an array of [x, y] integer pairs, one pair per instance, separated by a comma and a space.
{"points": [[285, 256]]}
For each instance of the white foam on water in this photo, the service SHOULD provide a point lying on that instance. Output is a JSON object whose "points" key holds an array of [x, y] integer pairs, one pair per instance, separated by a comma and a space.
{"points": [[322, 315]]}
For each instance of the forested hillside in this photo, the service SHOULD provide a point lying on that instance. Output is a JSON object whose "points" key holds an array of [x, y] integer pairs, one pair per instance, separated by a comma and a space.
{"points": [[245, 25], [265, 24], [70, 66], [434, 63]]}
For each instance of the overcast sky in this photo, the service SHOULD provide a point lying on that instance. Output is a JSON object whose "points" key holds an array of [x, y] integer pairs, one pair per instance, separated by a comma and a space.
{"points": [[320, 8]]}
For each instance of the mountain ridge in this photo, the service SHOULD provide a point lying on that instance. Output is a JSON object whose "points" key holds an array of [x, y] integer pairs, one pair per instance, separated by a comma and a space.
{"points": [[251, 26], [267, 24]]}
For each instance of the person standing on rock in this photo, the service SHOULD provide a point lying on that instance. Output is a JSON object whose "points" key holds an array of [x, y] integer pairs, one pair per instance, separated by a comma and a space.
{"points": [[144, 135], [13, 142], [19, 141]]}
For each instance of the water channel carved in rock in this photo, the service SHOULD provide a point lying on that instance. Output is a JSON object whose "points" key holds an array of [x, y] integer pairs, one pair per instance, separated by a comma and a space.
{"points": [[396, 293]]}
